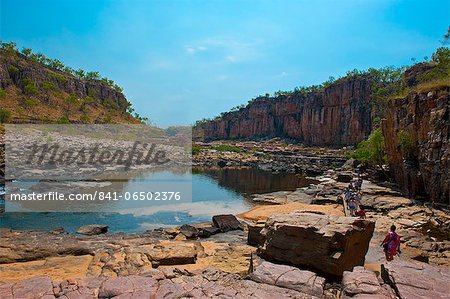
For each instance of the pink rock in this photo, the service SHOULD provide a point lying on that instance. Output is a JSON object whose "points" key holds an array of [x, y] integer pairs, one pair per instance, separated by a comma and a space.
{"points": [[34, 288]]}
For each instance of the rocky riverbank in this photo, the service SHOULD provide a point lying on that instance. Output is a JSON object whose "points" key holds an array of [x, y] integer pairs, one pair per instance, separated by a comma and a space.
{"points": [[219, 259], [274, 155]]}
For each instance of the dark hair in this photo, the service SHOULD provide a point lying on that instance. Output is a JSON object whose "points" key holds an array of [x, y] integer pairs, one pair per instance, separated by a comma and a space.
{"points": [[393, 228]]}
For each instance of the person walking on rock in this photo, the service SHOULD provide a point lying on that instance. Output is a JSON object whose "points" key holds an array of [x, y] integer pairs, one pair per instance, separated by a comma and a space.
{"points": [[361, 213], [352, 207], [391, 244]]}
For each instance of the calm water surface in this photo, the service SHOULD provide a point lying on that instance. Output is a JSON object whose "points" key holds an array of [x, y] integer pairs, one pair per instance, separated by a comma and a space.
{"points": [[214, 191]]}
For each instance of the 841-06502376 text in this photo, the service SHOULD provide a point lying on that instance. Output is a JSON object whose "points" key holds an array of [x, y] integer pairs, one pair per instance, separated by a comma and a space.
{"points": [[97, 195]]}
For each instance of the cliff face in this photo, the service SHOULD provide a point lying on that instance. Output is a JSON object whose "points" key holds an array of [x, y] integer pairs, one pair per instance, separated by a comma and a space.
{"points": [[36, 92], [68, 84], [417, 140], [338, 115]]}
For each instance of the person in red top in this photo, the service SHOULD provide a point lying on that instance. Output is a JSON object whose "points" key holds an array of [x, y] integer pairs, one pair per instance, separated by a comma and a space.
{"points": [[391, 244], [361, 213]]}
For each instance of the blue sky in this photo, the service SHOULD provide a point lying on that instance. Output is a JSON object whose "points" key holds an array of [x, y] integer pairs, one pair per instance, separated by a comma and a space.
{"points": [[180, 61]]}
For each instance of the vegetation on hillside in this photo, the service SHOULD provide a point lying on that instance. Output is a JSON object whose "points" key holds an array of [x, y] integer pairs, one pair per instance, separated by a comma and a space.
{"points": [[196, 149], [406, 142], [371, 150], [57, 65], [47, 99], [389, 83], [5, 116]]}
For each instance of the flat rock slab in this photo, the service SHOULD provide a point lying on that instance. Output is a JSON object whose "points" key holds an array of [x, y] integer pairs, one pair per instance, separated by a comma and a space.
{"points": [[301, 195], [61, 267], [288, 277], [33, 288], [384, 203], [263, 212], [274, 198], [417, 281], [329, 243], [157, 284], [127, 285], [29, 246]]}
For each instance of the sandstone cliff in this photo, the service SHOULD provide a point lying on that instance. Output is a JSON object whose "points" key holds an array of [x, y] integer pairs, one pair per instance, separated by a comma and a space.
{"points": [[339, 114], [32, 92], [417, 141]]}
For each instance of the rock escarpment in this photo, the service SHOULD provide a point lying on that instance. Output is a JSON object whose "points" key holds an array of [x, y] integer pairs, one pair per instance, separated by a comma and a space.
{"points": [[35, 92], [340, 114], [417, 139]]}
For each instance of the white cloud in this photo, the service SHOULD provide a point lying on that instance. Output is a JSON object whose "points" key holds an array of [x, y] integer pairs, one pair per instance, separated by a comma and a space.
{"points": [[228, 49], [234, 49], [194, 49]]}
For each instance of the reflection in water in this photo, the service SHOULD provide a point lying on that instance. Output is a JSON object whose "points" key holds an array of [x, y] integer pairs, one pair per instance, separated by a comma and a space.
{"points": [[214, 191], [252, 180], [110, 193]]}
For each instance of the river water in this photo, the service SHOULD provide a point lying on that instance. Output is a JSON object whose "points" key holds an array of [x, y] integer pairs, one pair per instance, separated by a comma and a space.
{"points": [[214, 191]]}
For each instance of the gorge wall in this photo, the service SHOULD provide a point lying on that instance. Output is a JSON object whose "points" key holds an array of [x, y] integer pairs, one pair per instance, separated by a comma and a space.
{"points": [[417, 141], [34, 92], [340, 114]]}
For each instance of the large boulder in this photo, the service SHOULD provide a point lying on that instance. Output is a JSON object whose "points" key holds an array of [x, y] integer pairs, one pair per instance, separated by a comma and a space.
{"points": [[413, 280], [94, 229], [329, 243], [191, 232], [208, 231], [226, 222], [344, 177]]}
